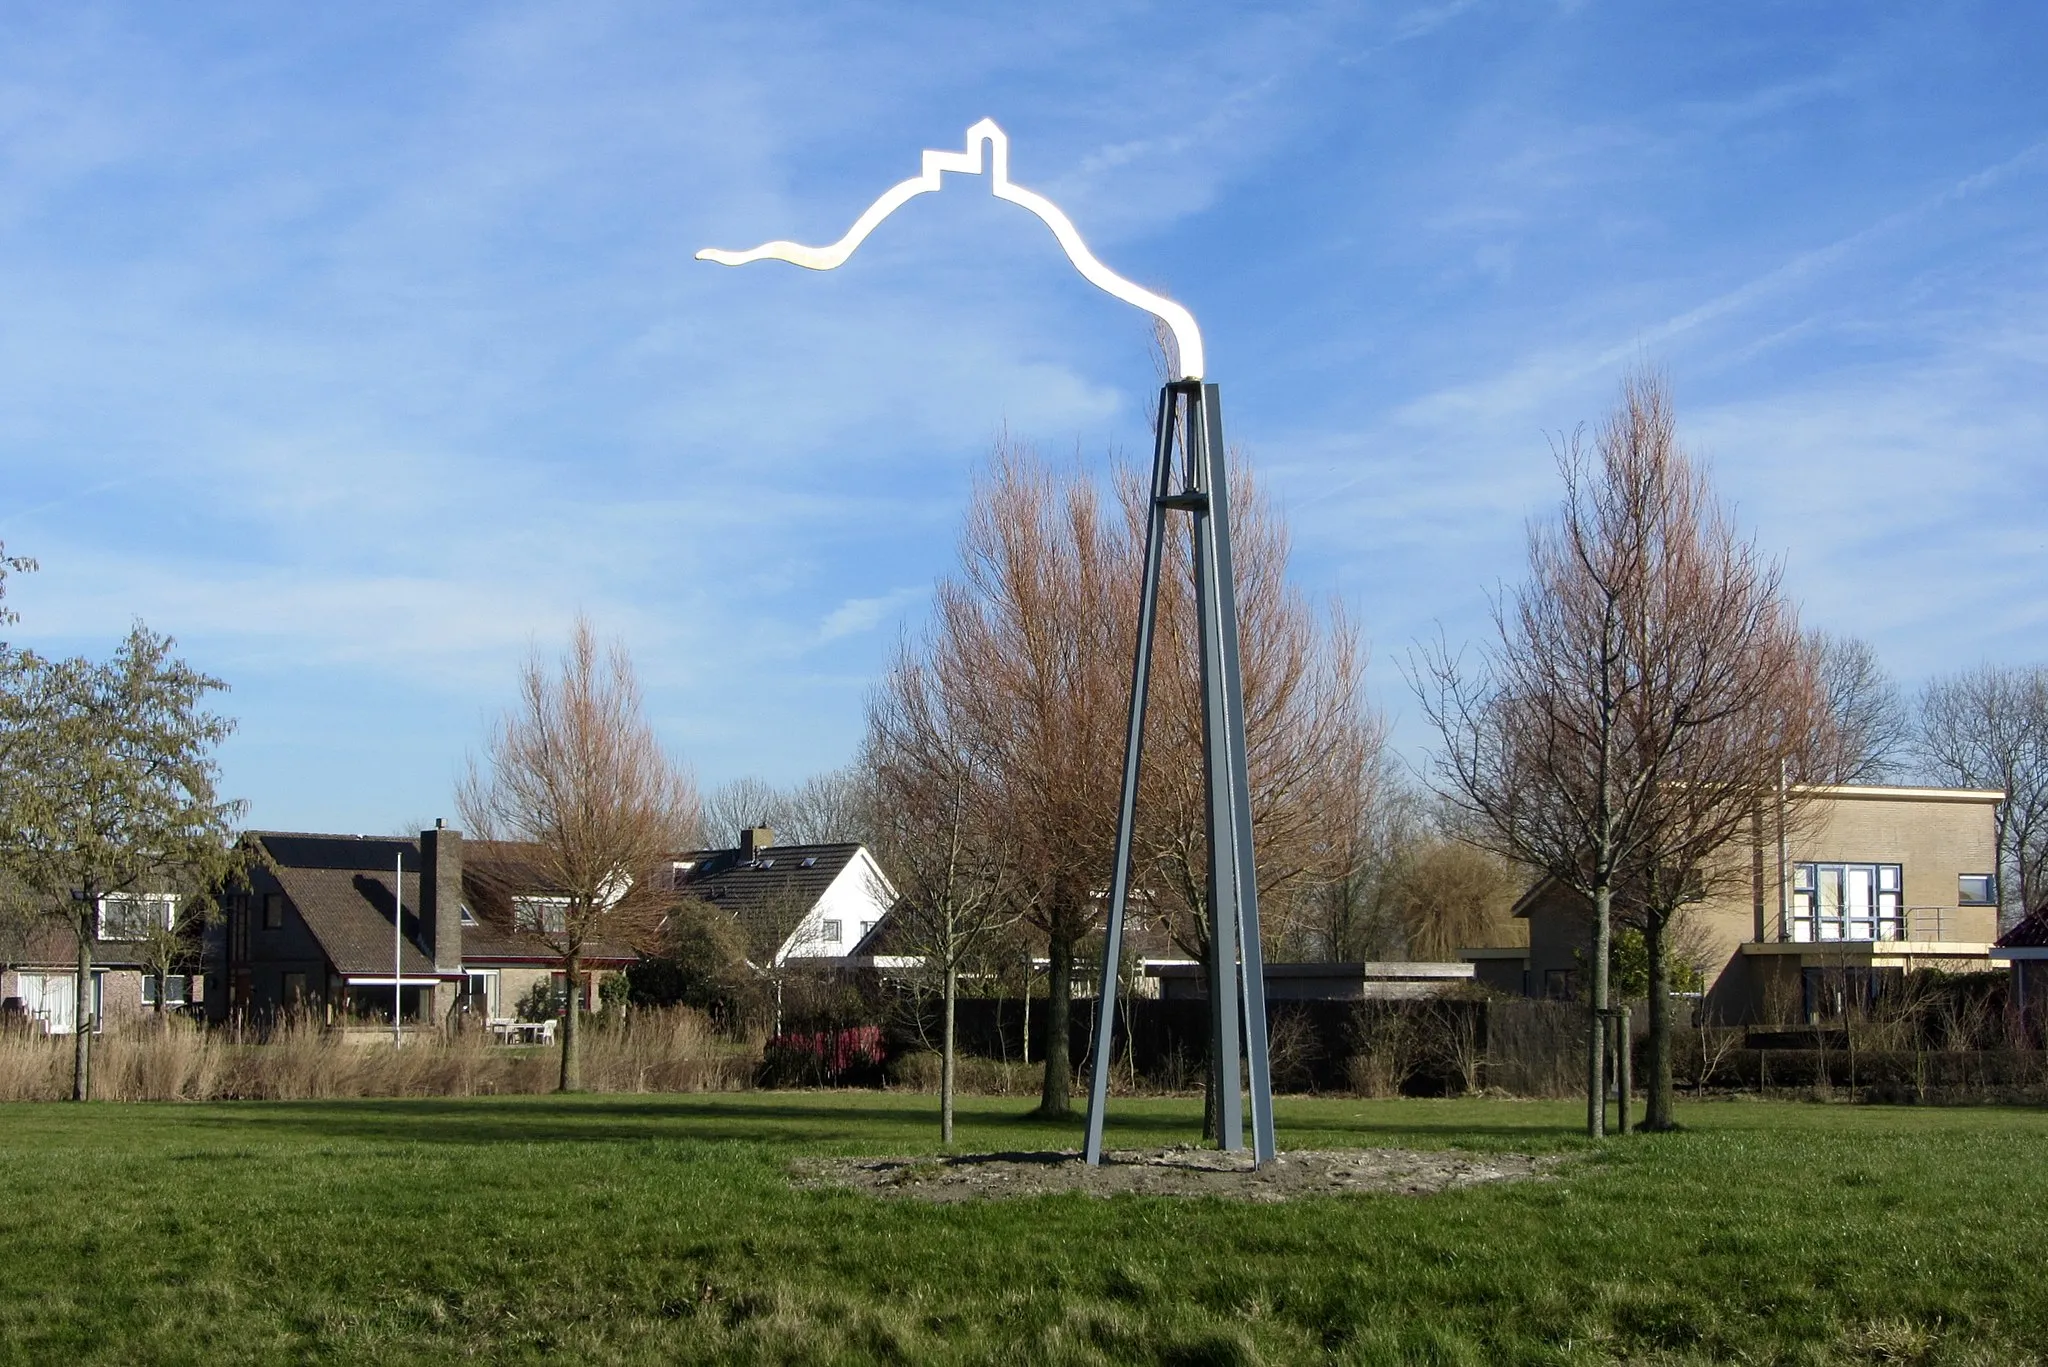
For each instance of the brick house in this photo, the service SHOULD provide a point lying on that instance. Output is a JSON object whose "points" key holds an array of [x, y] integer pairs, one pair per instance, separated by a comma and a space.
{"points": [[314, 932]]}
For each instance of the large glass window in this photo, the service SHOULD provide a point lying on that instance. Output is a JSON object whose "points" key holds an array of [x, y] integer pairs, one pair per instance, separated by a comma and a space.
{"points": [[1847, 902]]}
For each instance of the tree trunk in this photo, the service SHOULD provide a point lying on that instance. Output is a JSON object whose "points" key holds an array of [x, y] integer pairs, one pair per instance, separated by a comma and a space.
{"points": [[1596, 1033], [572, 1031], [1054, 1098], [946, 1057], [81, 1010], [1657, 1111]]}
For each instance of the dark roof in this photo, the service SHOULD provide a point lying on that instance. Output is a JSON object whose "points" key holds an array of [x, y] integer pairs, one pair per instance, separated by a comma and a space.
{"points": [[770, 893], [341, 886], [349, 913], [2030, 933]]}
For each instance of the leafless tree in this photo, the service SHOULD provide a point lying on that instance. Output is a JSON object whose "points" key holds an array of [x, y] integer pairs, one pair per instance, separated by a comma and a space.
{"points": [[1620, 673], [1874, 729], [742, 804], [1030, 646], [952, 860], [1316, 753], [823, 809], [576, 807], [1988, 728]]}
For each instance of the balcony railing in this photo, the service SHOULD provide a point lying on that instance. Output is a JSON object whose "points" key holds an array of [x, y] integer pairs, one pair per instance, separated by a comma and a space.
{"points": [[1912, 925]]}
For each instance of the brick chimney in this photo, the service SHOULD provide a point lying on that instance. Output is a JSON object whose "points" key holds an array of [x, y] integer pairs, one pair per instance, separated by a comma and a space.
{"points": [[441, 896], [755, 839]]}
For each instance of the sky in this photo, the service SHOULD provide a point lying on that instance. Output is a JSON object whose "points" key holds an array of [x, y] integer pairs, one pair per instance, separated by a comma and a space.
{"points": [[361, 347]]}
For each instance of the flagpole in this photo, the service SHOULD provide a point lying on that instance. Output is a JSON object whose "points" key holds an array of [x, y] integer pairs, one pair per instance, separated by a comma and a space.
{"points": [[398, 954]]}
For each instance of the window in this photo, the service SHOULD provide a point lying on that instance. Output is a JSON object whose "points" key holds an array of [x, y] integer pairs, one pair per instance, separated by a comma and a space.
{"points": [[468, 916], [175, 989], [767, 864], [1847, 902], [865, 928], [273, 911], [133, 915], [1977, 890], [295, 990], [546, 915], [808, 862], [832, 932], [480, 993]]}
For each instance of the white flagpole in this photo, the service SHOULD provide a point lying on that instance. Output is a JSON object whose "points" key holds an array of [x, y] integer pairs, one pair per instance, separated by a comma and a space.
{"points": [[398, 954]]}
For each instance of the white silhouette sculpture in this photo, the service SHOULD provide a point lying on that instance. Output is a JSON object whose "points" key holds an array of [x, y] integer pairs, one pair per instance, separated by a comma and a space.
{"points": [[1190, 424], [1186, 336]]}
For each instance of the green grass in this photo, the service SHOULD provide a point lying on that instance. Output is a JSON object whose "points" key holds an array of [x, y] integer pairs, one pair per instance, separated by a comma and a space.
{"points": [[663, 1229]]}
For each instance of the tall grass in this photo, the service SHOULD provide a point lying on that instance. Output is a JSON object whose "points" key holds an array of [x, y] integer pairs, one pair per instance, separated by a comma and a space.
{"points": [[175, 1059]]}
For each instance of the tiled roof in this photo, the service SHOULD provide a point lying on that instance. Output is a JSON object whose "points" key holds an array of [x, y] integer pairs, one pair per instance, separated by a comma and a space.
{"points": [[769, 894], [341, 886], [2030, 933]]}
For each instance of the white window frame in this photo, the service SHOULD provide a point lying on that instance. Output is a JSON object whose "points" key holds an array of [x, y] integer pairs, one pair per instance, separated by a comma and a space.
{"points": [[541, 915], [180, 983], [1847, 903], [492, 986], [167, 901]]}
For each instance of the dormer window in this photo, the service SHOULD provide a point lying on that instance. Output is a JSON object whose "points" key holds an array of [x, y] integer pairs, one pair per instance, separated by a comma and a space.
{"points": [[810, 862], [766, 864], [468, 916], [135, 915]]}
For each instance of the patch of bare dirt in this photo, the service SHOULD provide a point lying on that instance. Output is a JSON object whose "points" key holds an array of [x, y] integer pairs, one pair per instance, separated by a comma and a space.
{"points": [[1181, 1171]]}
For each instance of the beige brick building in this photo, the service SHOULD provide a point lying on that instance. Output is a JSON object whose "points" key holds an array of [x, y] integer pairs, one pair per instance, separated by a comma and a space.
{"points": [[1857, 884]]}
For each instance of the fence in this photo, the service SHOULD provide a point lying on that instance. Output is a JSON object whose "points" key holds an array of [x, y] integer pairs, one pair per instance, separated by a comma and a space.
{"points": [[1430, 1047]]}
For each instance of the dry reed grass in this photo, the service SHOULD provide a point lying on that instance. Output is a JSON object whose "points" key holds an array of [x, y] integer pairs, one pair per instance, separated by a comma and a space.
{"points": [[178, 1060]]}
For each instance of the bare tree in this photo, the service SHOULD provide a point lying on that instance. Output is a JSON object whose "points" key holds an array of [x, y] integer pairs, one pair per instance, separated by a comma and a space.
{"points": [[1988, 728], [1619, 672], [1029, 646], [741, 804], [953, 862], [577, 807], [1874, 729]]}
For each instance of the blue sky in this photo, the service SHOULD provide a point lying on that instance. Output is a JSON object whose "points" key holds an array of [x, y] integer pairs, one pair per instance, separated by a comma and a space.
{"points": [[360, 347]]}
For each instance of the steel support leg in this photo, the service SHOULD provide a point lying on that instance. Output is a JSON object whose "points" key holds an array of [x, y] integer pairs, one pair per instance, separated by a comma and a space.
{"points": [[1211, 588], [1134, 745], [1249, 945], [1237, 979]]}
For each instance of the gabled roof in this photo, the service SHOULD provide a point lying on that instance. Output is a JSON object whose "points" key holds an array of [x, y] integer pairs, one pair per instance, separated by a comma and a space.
{"points": [[342, 888], [2030, 933], [769, 894]]}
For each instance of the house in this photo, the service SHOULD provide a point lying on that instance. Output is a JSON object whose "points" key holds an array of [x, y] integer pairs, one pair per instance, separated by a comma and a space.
{"points": [[2024, 949], [1865, 883], [1380, 980], [43, 984], [314, 932], [800, 905]]}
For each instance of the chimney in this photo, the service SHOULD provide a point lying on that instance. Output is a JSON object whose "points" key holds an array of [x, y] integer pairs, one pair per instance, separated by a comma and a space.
{"points": [[755, 839], [441, 896]]}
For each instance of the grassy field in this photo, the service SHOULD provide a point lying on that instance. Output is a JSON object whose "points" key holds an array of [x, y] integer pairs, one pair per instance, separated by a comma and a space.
{"points": [[664, 1229]]}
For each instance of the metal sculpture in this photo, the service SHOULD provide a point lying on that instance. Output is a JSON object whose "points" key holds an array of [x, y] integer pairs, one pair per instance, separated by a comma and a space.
{"points": [[1190, 423]]}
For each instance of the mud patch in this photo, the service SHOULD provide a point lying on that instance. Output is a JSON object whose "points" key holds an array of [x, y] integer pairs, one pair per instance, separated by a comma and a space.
{"points": [[1183, 1171]]}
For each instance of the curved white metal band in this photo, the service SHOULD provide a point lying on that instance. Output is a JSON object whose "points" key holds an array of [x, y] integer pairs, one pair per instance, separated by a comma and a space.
{"points": [[1187, 336]]}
